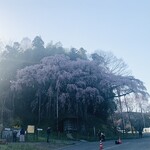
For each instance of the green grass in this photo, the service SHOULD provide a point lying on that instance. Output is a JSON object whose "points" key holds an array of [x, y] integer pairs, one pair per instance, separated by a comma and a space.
{"points": [[52, 145], [17, 146]]}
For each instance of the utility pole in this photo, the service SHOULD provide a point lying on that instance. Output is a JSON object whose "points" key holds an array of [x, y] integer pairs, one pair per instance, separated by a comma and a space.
{"points": [[57, 108]]}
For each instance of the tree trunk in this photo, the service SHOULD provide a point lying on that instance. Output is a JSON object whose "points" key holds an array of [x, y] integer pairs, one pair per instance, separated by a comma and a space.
{"points": [[39, 109], [128, 114], [120, 104]]}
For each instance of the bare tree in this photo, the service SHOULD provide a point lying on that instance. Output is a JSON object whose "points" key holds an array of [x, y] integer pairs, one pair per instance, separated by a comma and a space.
{"points": [[113, 64]]}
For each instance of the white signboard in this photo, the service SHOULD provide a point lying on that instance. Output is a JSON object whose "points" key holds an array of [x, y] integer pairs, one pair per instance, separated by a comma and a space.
{"points": [[31, 129]]}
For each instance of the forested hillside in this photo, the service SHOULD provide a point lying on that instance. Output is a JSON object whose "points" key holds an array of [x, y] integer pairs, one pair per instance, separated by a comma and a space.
{"points": [[42, 85]]}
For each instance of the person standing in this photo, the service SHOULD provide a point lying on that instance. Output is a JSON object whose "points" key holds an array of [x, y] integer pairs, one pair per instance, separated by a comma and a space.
{"points": [[22, 135], [99, 135], [103, 137], [48, 133], [14, 136], [140, 132]]}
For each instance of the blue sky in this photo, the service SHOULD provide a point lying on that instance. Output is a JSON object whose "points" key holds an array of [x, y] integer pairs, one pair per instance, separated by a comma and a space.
{"points": [[119, 26]]}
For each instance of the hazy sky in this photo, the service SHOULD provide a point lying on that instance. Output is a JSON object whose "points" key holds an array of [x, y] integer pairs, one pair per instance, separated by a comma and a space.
{"points": [[119, 26]]}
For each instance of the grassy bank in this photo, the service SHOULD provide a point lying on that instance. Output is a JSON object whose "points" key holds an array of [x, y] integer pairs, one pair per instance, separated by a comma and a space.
{"points": [[52, 145]]}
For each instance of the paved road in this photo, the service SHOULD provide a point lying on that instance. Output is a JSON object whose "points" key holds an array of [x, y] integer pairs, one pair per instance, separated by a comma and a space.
{"points": [[134, 144]]}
